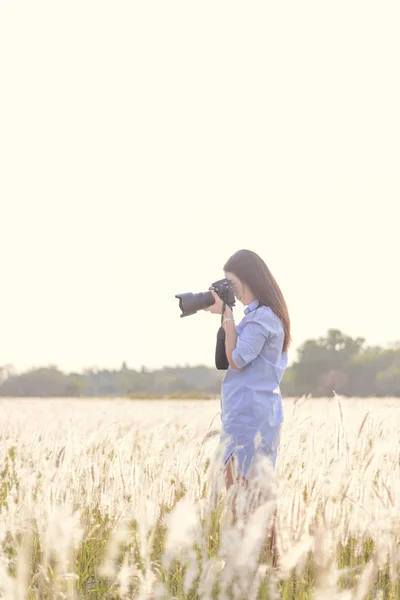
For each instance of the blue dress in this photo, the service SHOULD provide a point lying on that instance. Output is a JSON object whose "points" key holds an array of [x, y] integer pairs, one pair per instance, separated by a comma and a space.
{"points": [[251, 401]]}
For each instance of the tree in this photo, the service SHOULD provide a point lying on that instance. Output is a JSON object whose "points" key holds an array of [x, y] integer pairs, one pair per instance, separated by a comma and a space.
{"points": [[44, 382], [388, 381], [323, 363]]}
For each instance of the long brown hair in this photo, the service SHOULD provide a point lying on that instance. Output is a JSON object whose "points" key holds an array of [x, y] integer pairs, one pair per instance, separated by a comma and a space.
{"points": [[252, 271]]}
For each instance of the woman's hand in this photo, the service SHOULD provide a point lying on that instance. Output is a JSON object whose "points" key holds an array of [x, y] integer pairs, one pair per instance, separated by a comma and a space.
{"points": [[215, 308]]}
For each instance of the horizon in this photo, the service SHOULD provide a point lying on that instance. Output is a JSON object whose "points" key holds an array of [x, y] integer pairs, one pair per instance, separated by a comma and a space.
{"points": [[10, 367], [138, 158]]}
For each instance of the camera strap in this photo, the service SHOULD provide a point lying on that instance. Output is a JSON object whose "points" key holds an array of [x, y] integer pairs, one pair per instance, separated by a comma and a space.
{"points": [[223, 310], [221, 360]]}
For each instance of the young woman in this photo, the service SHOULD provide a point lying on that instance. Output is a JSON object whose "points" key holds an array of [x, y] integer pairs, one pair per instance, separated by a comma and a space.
{"points": [[256, 348]]}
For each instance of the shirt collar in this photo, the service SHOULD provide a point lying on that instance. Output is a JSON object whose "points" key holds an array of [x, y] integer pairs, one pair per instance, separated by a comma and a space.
{"points": [[252, 306]]}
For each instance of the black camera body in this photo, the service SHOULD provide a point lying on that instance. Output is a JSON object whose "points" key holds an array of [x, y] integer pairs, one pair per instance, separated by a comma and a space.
{"points": [[224, 289], [191, 303]]}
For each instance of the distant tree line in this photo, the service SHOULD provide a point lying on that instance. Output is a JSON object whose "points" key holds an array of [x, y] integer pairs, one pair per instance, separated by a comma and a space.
{"points": [[335, 362], [345, 365]]}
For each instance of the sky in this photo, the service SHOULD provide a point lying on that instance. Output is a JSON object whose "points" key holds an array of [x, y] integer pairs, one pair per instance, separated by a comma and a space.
{"points": [[142, 143]]}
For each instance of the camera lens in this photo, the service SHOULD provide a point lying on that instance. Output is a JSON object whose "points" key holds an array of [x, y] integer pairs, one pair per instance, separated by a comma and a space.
{"points": [[191, 303]]}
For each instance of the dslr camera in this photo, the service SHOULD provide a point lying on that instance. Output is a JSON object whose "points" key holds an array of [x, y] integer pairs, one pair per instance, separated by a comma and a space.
{"points": [[191, 303]]}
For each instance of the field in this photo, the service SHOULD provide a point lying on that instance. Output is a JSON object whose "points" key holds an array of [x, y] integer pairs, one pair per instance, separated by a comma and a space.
{"points": [[123, 499]]}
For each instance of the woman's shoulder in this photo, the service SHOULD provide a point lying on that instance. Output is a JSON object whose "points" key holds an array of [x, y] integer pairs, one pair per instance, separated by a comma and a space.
{"points": [[266, 316]]}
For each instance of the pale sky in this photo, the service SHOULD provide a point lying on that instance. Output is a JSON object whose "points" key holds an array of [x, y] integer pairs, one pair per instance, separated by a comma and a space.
{"points": [[142, 143]]}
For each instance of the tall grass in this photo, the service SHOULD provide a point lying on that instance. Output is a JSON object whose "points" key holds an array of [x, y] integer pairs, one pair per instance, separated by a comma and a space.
{"points": [[119, 499]]}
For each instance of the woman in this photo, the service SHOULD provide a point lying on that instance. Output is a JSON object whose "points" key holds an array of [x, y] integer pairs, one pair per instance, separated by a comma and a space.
{"points": [[251, 402]]}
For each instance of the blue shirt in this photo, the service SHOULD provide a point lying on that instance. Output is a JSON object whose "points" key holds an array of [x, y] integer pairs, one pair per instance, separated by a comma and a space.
{"points": [[251, 401]]}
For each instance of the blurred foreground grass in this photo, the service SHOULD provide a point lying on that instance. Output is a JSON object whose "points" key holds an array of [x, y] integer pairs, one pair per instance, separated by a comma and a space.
{"points": [[92, 508], [88, 578]]}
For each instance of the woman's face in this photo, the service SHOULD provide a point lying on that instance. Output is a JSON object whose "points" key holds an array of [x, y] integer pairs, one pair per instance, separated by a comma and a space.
{"points": [[241, 291]]}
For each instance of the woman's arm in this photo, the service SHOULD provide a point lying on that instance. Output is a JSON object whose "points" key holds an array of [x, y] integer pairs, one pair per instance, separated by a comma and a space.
{"points": [[240, 350], [230, 336]]}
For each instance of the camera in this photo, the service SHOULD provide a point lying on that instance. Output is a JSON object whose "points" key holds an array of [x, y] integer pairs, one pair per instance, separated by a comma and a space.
{"points": [[191, 303]]}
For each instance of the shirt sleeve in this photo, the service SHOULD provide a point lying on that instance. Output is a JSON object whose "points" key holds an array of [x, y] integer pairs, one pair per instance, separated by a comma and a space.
{"points": [[249, 344]]}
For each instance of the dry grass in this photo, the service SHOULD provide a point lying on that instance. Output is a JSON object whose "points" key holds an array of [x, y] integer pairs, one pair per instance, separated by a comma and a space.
{"points": [[121, 499]]}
